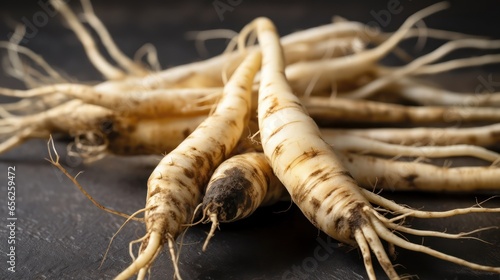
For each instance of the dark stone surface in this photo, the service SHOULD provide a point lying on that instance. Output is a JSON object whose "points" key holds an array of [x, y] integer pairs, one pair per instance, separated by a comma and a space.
{"points": [[61, 235]]}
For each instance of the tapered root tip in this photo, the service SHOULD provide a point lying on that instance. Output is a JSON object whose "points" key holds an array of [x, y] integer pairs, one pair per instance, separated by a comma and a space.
{"points": [[215, 224], [145, 257]]}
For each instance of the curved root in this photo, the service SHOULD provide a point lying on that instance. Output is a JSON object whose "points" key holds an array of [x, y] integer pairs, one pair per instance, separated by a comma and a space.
{"points": [[146, 256], [215, 224]]}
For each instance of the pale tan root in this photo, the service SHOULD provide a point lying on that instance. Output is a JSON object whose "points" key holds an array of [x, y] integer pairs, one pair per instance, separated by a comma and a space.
{"points": [[280, 116], [149, 52], [147, 103], [237, 188], [323, 50], [28, 106], [432, 96], [54, 160], [333, 110], [412, 176], [17, 68], [457, 64], [14, 51], [384, 233], [175, 186], [149, 136], [316, 180], [211, 233], [356, 144], [200, 37], [70, 118], [373, 239], [107, 70], [154, 245], [207, 72], [403, 211], [417, 232], [418, 65], [479, 136], [377, 227], [124, 61], [118, 231], [328, 71], [365, 252], [98, 130]]}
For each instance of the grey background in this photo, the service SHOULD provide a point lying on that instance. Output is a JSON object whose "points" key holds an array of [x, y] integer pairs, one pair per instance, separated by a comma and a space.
{"points": [[61, 235]]}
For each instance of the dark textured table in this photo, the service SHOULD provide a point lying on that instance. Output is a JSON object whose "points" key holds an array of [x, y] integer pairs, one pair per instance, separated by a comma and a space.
{"points": [[61, 235]]}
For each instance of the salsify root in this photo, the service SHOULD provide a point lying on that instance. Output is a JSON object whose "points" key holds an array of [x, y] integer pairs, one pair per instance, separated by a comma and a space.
{"points": [[421, 65], [332, 110], [99, 130], [325, 72], [423, 94], [487, 135], [356, 144], [136, 102], [175, 186], [373, 172], [237, 188], [316, 179]]}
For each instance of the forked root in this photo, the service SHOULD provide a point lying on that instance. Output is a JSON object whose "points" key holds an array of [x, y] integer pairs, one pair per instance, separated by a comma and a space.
{"points": [[212, 217], [382, 231], [405, 211], [154, 244], [377, 227]]}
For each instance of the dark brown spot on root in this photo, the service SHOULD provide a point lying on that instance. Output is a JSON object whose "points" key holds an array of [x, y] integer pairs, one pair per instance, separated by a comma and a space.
{"points": [[188, 173], [181, 183], [229, 194], [340, 223], [186, 132], [106, 126], [356, 219], [231, 123], [279, 149], [199, 161], [172, 215], [329, 210], [495, 133], [155, 191], [272, 108], [410, 179], [306, 155], [472, 139], [315, 204]]}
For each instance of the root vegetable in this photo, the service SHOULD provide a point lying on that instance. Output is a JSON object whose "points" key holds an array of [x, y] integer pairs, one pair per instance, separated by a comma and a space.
{"points": [[325, 72], [433, 96], [331, 110], [175, 186], [313, 175], [99, 130], [421, 65], [145, 103], [123, 60], [353, 144], [483, 136], [238, 187], [392, 175], [100, 63]]}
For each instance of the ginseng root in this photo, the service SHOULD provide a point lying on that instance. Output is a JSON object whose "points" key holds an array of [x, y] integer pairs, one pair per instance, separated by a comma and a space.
{"points": [[313, 174], [175, 186], [393, 175], [238, 187]]}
